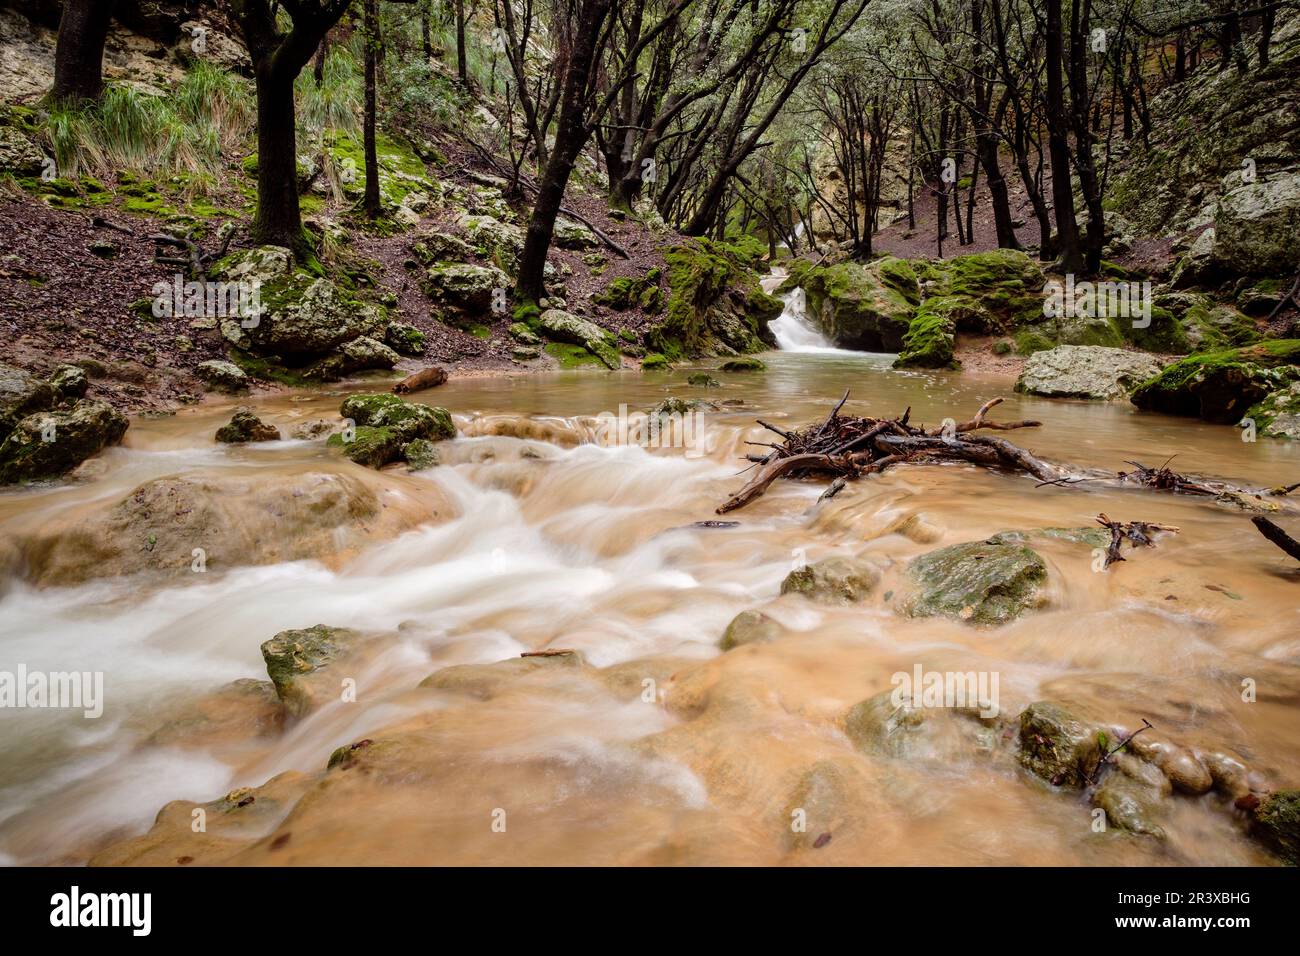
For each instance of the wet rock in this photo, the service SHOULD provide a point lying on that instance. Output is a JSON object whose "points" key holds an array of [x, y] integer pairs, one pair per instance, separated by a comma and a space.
{"points": [[1184, 771], [182, 527], [385, 425], [864, 307], [441, 247], [224, 376], [1057, 747], [420, 454], [21, 394], [291, 656], [833, 580], [1221, 386], [1085, 371], [311, 430], [750, 627], [745, 363], [878, 725], [69, 382], [522, 334], [50, 444], [1094, 537], [1278, 415], [565, 327], [243, 427], [1229, 775], [1131, 802], [716, 305], [1276, 822], [702, 380], [979, 582], [485, 681]]}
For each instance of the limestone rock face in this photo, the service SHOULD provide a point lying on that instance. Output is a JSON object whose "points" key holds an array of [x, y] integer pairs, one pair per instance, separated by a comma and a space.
{"points": [[1085, 371], [1221, 386], [562, 326]]}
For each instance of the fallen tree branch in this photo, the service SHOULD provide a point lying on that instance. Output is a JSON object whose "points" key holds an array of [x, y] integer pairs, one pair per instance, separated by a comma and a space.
{"points": [[1279, 537], [1137, 533]]}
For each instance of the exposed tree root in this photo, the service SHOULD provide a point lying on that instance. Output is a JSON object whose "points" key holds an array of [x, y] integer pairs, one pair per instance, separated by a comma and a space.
{"points": [[1279, 537], [1137, 533]]}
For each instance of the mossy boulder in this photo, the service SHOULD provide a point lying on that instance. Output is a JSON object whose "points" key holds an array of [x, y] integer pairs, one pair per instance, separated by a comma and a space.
{"points": [[931, 335], [1132, 794], [405, 339], [468, 288], [299, 317], [293, 656], [1220, 386], [1056, 746], [1002, 289], [69, 382], [244, 427], [573, 235], [500, 242], [384, 426], [21, 394], [1278, 416], [715, 305], [977, 582], [560, 326], [633, 292], [1085, 371], [833, 580], [1276, 822], [222, 375], [654, 362], [1256, 225], [51, 443], [745, 363], [19, 156], [863, 307], [436, 246], [357, 355]]}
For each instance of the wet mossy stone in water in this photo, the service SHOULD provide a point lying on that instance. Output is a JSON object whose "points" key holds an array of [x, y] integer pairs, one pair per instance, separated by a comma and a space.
{"points": [[978, 582], [1132, 797], [243, 427], [292, 655], [833, 580], [21, 394], [420, 454], [877, 725], [1095, 537], [1276, 821], [1056, 746], [750, 627], [51, 443], [1220, 386], [702, 380], [569, 329], [654, 362], [745, 363], [865, 307], [386, 425]]}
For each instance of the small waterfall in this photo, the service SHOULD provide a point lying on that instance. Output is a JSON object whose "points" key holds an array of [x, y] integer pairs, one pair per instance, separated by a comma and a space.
{"points": [[793, 330]]}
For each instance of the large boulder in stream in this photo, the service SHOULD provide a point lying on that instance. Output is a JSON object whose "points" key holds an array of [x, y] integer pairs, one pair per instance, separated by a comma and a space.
{"points": [[52, 443], [1057, 746], [384, 426], [716, 305], [1220, 386], [978, 582], [182, 526], [1085, 371], [1278, 416], [561, 326], [833, 580], [294, 659], [1276, 822]]}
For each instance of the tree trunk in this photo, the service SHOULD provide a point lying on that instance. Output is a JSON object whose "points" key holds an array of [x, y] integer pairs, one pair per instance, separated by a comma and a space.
{"points": [[462, 67], [278, 221], [79, 56], [370, 203], [1067, 227], [426, 36], [318, 69], [571, 135]]}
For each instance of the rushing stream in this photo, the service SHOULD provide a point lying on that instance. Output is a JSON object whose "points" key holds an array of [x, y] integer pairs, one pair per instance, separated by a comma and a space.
{"points": [[545, 539]]}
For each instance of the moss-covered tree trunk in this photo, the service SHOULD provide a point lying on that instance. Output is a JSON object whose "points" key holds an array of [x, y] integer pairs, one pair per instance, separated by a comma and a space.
{"points": [[79, 56]]}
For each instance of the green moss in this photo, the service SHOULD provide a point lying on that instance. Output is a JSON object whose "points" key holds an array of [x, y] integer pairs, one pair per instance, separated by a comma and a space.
{"points": [[1029, 341], [715, 303], [930, 338], [745, 363], [572, 356], [1221, 385], [1164, 334], [256, 367], [654, 362], [371, 446]]}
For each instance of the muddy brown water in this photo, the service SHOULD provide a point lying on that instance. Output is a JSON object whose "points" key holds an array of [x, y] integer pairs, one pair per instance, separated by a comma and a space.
{"points": [[556, 540]]}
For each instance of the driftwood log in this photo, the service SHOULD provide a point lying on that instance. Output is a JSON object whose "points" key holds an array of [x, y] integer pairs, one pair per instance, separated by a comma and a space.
{"points": [[849, 447], [1279, 537]]}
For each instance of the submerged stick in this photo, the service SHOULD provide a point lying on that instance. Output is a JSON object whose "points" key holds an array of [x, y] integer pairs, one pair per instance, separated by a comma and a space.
{"points": [[1279, 537]]}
